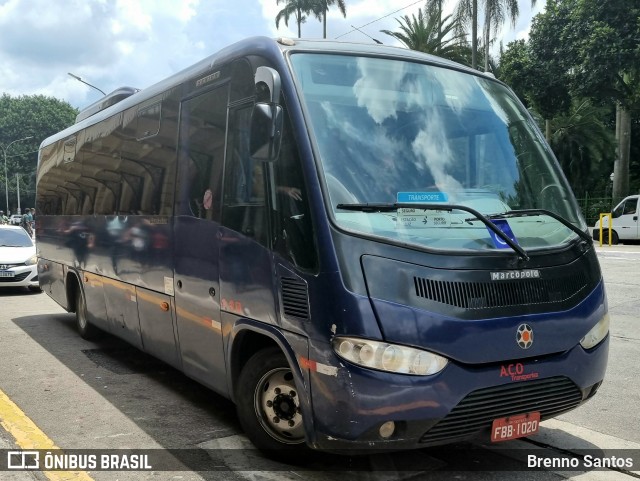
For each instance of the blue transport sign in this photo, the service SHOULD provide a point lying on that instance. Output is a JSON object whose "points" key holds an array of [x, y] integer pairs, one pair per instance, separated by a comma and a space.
{"points": [[408, 197]]}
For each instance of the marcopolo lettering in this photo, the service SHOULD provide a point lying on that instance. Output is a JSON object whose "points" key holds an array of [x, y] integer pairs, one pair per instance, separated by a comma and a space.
{"points": [[515, 275]]}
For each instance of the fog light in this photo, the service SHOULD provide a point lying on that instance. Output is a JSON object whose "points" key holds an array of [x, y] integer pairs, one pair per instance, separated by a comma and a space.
{"points": [[387, 429]]}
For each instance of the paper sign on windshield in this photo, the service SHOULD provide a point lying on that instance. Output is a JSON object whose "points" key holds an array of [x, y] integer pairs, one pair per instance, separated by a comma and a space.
{"points": [[421, 218]]}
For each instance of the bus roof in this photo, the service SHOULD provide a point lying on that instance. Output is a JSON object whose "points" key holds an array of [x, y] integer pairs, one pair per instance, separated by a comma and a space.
{"points": [[269, 47]]}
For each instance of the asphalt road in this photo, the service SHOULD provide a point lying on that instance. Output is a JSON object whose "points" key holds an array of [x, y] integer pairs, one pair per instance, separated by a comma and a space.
{"points": [[105, 395]]}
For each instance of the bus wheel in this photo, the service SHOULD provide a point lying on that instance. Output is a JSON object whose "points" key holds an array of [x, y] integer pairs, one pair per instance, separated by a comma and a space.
{"points": [[85, 328], [268, 403]]}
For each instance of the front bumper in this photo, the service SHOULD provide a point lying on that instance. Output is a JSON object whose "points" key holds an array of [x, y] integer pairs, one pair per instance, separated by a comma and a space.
{"points": [[459, 403], [23, 276]]}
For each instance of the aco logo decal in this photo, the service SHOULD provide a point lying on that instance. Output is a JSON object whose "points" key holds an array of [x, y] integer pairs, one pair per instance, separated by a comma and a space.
{"points": [[516, 372], [524, 336]]}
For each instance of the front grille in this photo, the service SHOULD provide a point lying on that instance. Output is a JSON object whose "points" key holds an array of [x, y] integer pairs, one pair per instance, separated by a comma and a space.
{"points": [[295, 299], [19, 277], [477, 411], [488, 295]]}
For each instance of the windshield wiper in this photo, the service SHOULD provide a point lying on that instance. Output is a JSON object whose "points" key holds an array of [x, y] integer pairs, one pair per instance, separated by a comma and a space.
{"points": [[390, 207], [533, 212]]}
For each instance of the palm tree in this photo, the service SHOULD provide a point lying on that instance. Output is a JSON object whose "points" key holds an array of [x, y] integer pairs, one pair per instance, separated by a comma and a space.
{"points": [[495, 11], [428, 34], [467, 11], [294, 8], [321, 7], [434, 7]]}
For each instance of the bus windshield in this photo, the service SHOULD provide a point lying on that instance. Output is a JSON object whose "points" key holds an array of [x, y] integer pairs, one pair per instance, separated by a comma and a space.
{"points": [[400, 132]]}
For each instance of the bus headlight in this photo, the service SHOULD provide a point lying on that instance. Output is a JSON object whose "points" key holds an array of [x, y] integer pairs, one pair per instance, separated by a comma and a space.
{"points": [[388, 357], [597, 333]]}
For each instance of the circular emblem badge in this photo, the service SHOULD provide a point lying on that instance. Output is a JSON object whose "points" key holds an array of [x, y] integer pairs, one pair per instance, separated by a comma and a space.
{"points": [[524, 336]]}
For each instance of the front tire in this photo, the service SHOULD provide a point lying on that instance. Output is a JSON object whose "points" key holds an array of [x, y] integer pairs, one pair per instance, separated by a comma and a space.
{"points": [[86, 330], [268, 403]]}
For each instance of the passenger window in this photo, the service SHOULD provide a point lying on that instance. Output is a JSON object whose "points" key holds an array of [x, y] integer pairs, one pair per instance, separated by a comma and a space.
{"points": [[148, 121], [203, 125]]}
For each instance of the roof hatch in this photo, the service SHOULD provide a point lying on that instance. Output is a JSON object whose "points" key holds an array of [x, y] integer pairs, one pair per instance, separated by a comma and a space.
{"points": [[105, 102]]}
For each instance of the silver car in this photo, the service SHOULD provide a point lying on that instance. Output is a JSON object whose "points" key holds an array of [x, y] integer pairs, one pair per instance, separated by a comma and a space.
{"points": [[18, 260]]}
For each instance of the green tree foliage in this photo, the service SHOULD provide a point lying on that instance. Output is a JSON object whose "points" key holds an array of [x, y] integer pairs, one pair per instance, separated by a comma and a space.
{"points": [[36, 116], [540, 83], [429, 34], [583, 144], [592, 47], [516, 69], [549, 83], [603, 41]]}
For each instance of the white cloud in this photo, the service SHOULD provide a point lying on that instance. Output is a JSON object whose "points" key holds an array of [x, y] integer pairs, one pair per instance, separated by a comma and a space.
{"points": [[113, 43]]}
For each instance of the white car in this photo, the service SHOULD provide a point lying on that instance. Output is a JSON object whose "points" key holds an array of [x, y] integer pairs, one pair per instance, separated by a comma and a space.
{"points": [[624, 222], [15, 219], [18, 260]]}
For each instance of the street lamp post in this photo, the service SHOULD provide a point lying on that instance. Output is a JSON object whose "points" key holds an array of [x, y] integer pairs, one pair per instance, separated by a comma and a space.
{"points": [[86, 83], [6, 180]]}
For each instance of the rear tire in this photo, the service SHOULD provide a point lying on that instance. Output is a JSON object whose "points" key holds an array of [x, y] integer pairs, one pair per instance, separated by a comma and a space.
{"points": [[86, 330], [268, 403], [614, 237]]}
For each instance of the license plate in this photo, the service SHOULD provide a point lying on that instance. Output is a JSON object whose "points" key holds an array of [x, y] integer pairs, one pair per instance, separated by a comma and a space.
{"points": [[7, 274], [513, 427]]}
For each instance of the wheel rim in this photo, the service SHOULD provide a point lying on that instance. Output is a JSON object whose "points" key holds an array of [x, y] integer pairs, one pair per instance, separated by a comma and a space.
{"points": [[80, 313], [277, 406]]}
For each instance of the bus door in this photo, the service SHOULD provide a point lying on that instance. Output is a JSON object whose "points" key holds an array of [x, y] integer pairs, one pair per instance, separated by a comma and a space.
{"points": [[246, 278], [196, 236]]}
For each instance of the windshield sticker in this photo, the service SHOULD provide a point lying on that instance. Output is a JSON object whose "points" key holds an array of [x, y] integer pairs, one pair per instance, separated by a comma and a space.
{"points": [[421, 218], [504, 226], [421, 197]]}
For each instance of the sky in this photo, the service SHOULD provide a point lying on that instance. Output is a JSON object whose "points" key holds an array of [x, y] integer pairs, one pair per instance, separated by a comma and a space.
{"points": [[136, 43]]}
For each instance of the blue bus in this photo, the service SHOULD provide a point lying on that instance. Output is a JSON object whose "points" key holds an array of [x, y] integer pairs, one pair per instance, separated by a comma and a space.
{"points": [[361, 246]]}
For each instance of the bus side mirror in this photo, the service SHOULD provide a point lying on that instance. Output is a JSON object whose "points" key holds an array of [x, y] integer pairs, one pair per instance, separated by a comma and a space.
{"points": [[266, 132], [267, 117]]}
